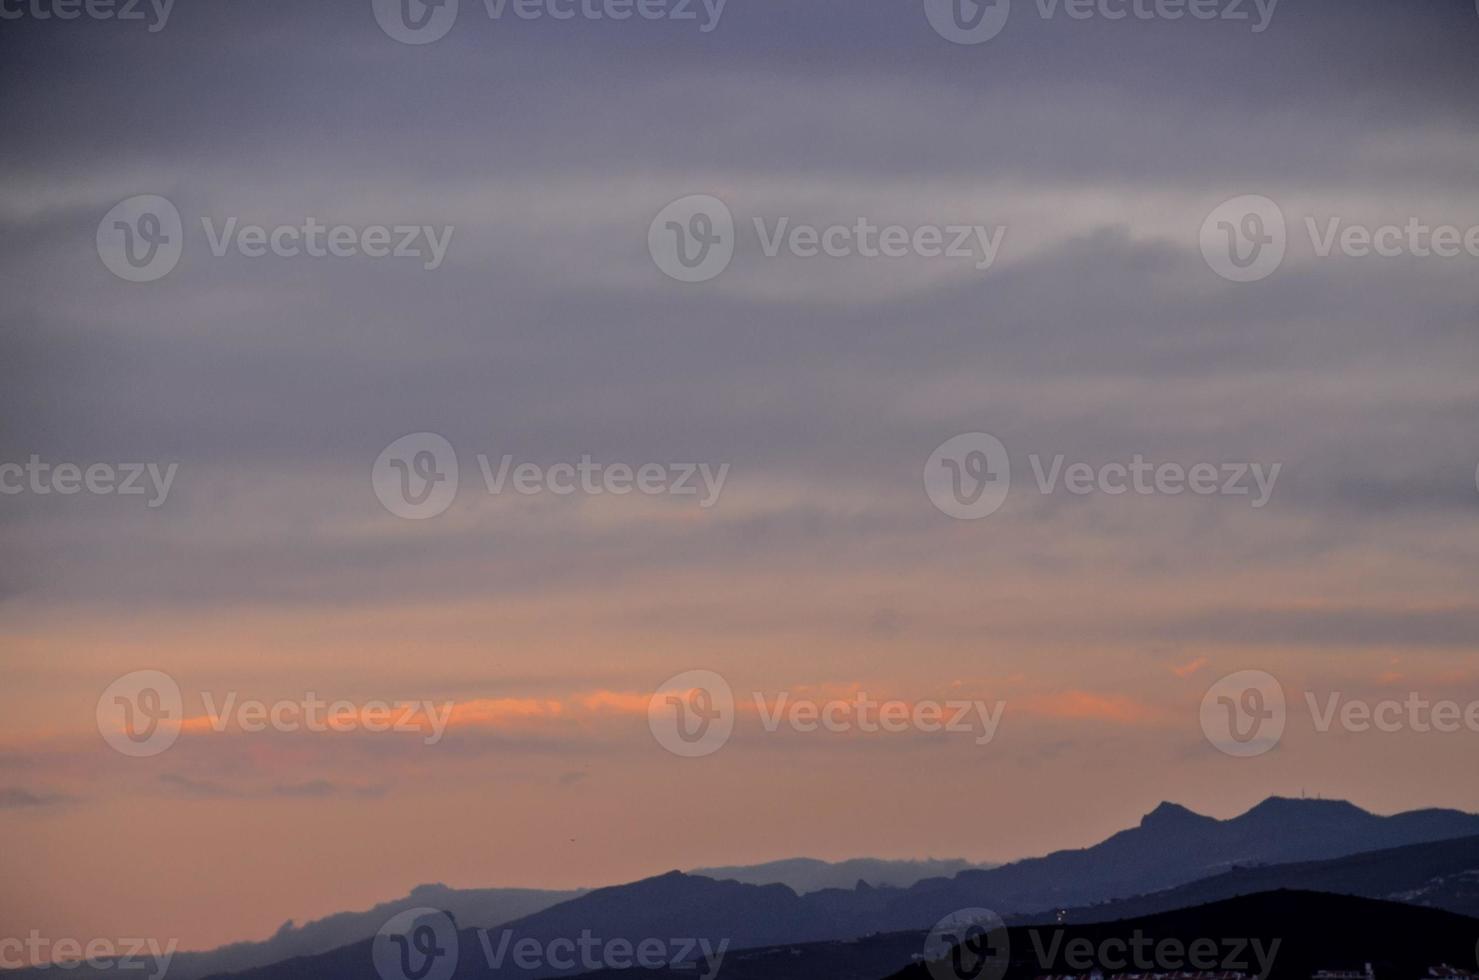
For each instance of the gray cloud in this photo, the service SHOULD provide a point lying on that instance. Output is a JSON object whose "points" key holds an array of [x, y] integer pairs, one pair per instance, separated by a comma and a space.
{"points": [[19, 798]]}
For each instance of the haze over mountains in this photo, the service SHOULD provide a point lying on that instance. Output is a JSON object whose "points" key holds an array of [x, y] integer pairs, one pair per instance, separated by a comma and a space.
{"points": [[474, 906], [1280, 843], [483, 907]]}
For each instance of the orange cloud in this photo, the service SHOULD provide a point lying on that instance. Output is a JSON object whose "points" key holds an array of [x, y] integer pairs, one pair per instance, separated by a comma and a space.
{"points": [[1089, 706]]}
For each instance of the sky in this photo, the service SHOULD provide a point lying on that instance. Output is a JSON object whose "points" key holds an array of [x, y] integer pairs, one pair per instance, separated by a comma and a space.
{"points": [[821, 567]]}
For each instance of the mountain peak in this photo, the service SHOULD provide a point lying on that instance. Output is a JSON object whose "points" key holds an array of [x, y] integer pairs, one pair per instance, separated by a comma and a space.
{"points": [[1287, 805], [1171, 815]]}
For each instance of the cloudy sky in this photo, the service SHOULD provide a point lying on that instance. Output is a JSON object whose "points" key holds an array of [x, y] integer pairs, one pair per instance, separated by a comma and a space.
{"points": [[271, 570]]}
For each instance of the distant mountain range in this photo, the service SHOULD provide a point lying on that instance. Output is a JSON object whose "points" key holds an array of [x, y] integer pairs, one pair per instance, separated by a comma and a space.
{"points": [[484, 907], [1441, 875], [804, 875], [474, 906], [1171, 847], [1174, 859]]}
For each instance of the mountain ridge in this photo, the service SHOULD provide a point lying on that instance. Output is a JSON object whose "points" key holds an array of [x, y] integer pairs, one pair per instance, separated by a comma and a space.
{"points": [[1171, 846]]}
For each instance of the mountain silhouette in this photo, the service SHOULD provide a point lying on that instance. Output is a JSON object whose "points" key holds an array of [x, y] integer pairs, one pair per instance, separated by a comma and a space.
{"points": [[1172, 846], [1297, 933], [1442, 875], [1313, 931], [804, 875]]}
